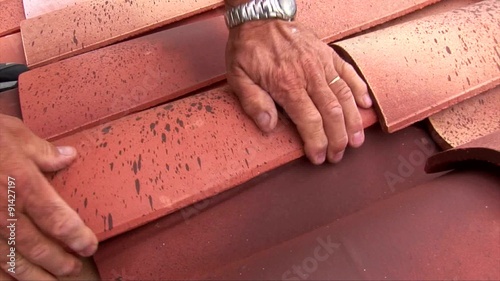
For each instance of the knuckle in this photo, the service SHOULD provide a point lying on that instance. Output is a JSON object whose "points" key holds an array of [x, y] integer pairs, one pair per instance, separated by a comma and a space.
{"points": [[339, 144], [289, 78], [314, 118], [343, 66], [315, 147], [309, 61], [333, 109], [66, 269], [39, 252], [64, 225], [344, 93], [23, 267]]}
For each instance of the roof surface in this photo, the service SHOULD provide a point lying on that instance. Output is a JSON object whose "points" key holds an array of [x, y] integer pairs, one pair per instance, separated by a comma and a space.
{"points": [[179, 184]]}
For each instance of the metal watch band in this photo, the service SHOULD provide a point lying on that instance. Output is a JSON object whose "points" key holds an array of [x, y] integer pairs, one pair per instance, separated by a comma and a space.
{"points": [[255, 10]]}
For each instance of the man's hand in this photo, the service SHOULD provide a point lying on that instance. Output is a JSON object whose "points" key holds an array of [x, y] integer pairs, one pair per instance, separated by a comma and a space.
{"points": [[281, 61], [46, 227]]}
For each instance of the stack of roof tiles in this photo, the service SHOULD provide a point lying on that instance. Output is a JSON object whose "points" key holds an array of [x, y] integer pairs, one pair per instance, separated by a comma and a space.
{"points": [[178, 183]]}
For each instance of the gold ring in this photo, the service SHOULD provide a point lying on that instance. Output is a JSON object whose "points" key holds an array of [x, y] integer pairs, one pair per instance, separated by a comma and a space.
{"points": [[335, 80]]}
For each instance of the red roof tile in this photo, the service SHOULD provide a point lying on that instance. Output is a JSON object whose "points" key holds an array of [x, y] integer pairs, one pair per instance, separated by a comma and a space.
{"points": [[112, 25], [486, 149], [115, 68], [35, 8], [166, 158], [93, 24], [9, 103], [435, 9], [419, 68], [11, 14], [105, 84], [468, 120], [12, 49], [276, 207]]}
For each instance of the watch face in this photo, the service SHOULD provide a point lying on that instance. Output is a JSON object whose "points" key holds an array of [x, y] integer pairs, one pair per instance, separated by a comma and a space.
{"points": [[289, 7]]}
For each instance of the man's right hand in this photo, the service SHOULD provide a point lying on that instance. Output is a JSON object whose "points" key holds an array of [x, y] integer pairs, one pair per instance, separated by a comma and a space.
{"points": [[46, 227]]}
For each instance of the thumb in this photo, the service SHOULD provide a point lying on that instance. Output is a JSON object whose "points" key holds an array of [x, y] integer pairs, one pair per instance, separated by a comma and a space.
{"points": [[48, 157], [256, 102]]}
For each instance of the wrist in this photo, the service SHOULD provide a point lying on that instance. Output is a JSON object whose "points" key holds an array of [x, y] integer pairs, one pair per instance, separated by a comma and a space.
{"points": [[258, 10]]}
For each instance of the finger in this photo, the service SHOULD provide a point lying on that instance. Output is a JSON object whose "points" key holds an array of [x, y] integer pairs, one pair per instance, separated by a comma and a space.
{"points": [[332, 113], [41, 251], [353, 80], [352, 117], [55, 218], [48, 157], [301, 109], [4, 276], [256, 102], [19, 268], [45, 155]]}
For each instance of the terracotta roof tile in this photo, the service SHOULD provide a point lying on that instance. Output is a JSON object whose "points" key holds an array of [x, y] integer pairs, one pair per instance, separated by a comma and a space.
{"points": [[113, 69], [259, 229], [36, 8], [93, 24], [435, 9], [418, 68], [9, 103], [70, 36], [11, 14], [105, 84], [12, 49], [168, 157], [486, 149], [467, 121]]}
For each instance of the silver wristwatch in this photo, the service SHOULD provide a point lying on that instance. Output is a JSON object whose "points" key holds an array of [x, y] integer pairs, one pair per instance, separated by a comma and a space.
{"points": [[261, 9]]}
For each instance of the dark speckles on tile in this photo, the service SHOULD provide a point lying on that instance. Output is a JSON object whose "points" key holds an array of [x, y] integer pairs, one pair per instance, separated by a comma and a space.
{"points": [[100, 26], [110, 222], [452, 127], [429, 64], [137, 170], [106, 130], [203, 43], [150, 201], [11, 13], [110, 74], [137, 186]]}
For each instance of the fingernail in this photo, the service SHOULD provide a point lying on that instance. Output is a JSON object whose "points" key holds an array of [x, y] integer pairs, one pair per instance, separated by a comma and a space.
{"points": [[358, 139], [338, 157], [263, 120], [66, 150], [89, 251], [368, 101], [320, 158]]}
